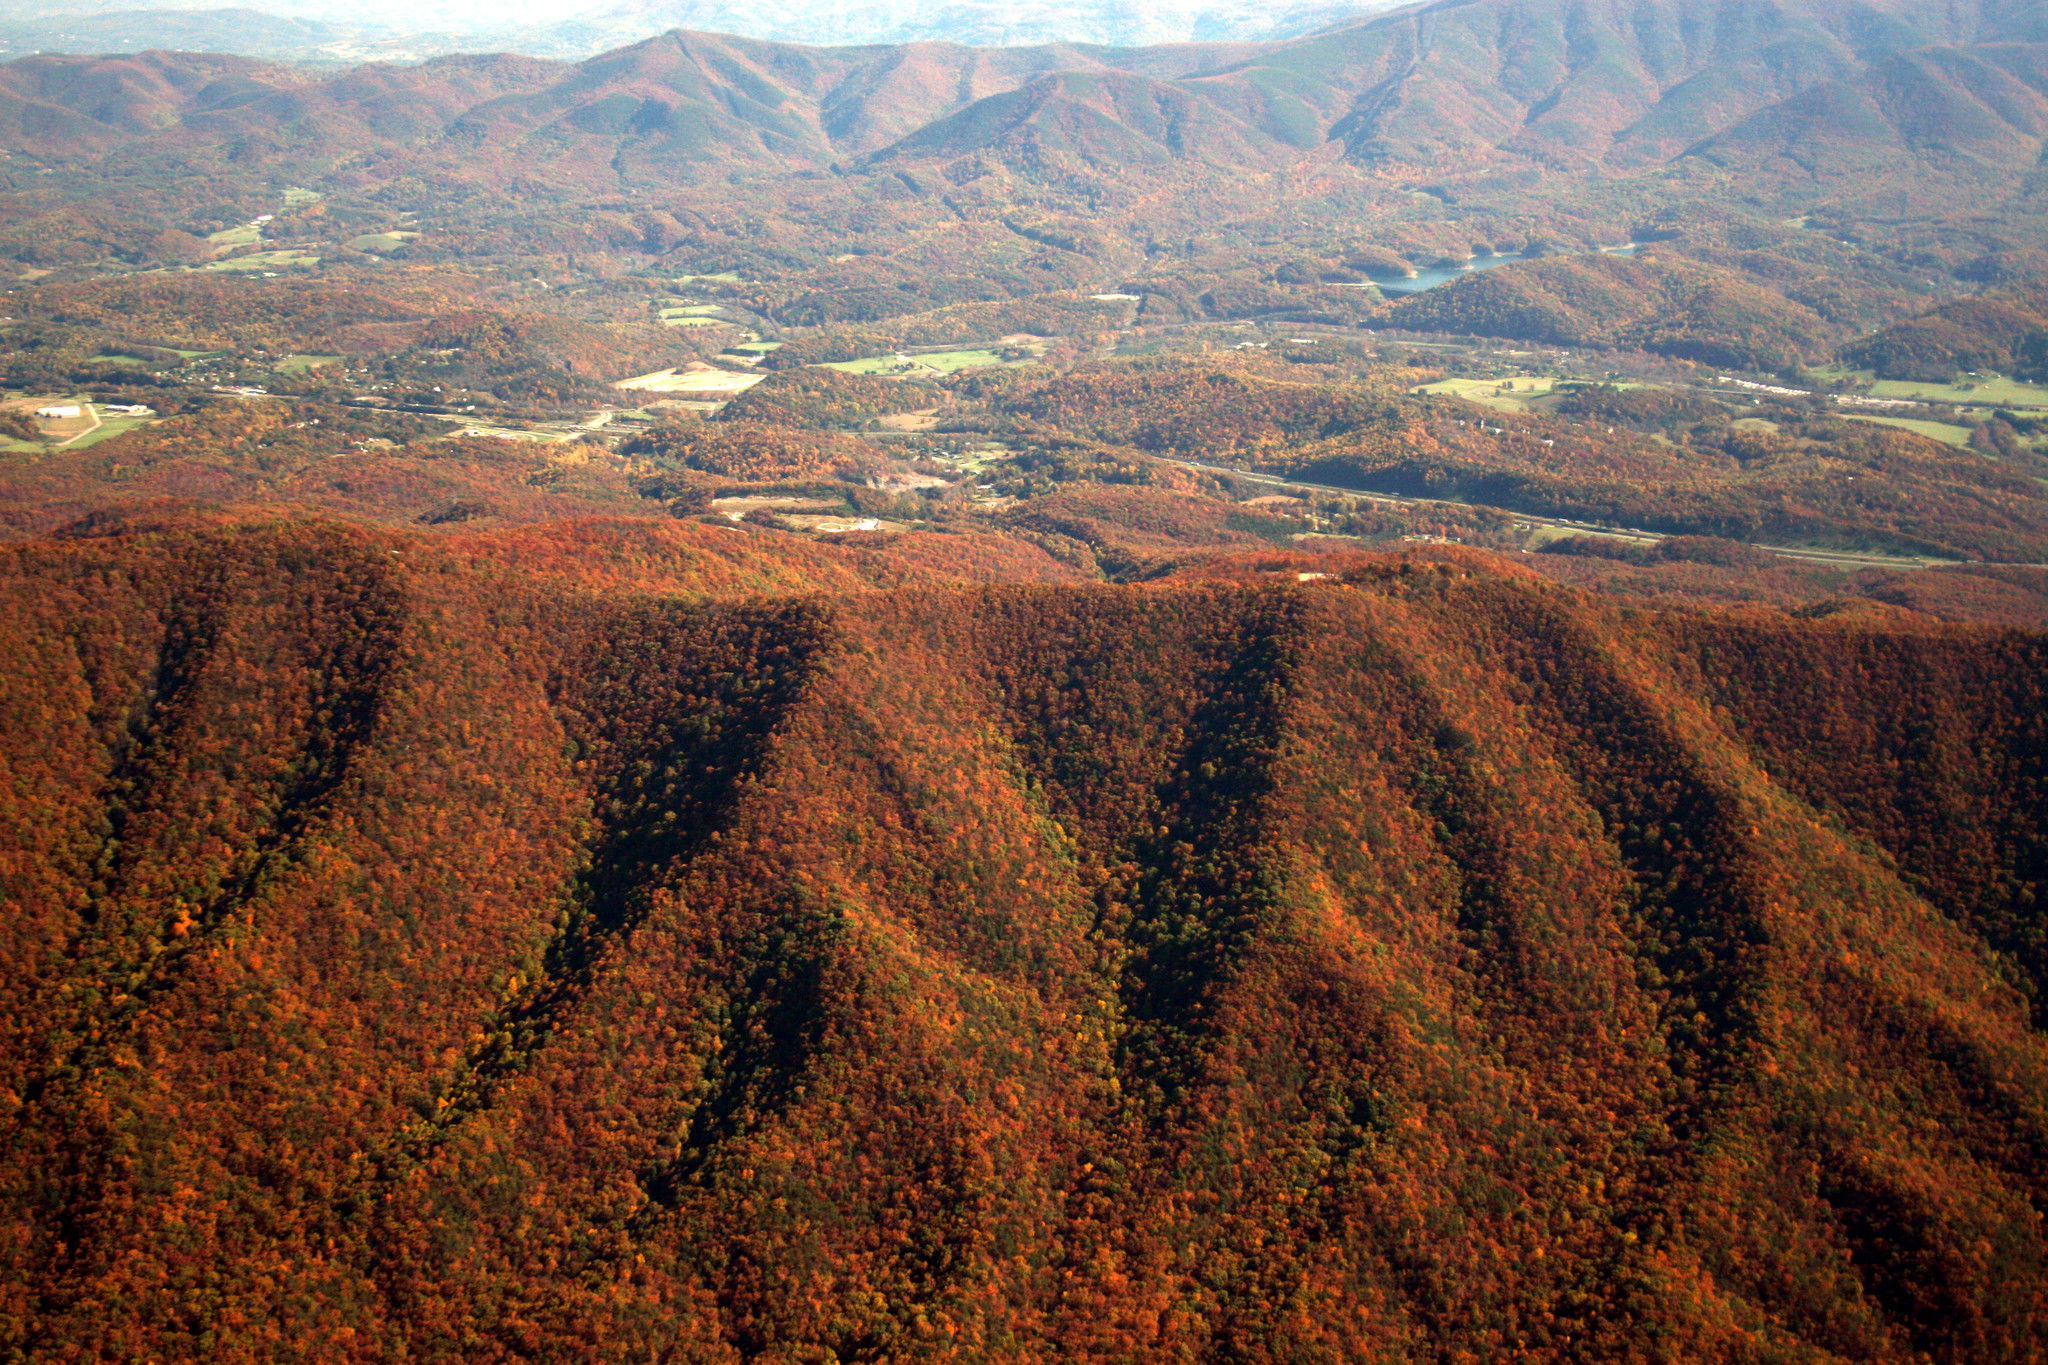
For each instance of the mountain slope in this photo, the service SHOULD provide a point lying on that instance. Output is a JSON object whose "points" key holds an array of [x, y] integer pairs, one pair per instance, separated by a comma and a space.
{"points": [[1979, 111], [2006, 331], [1471, 90], [416, 957], [1110, 121], [1652, 303], [1446, 84]]}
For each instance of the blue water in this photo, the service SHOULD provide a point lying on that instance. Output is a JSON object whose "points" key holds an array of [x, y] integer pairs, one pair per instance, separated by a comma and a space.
{"points": [[1435, 275]]}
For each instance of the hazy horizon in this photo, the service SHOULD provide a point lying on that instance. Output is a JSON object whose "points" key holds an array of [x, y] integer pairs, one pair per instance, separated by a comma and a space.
{"points": [[331, 31]]}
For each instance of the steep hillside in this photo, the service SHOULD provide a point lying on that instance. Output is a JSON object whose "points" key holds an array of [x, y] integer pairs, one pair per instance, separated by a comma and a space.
{"points": [[418, 956], [2005, 331], [1111, 122], [1971, 113], [1662, 304], [1450, 85]]}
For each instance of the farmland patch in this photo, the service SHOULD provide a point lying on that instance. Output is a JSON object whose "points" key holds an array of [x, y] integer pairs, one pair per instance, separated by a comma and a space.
{"points": [[1992, 390], [377, 242], [1938, 431], [692, 378], [926, 363]]}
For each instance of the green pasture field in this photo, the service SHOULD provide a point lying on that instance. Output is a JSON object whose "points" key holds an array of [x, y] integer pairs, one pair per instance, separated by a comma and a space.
{"points": [[380, 241], [126, 362], [266, 260], [108, 427], [691, 310], [756, 347], [667, 321], [1508, 394], [1544, 535], [237, 236], [301, 364], [1992, 390], [723, 277], [1939, 431], [296, 196]]}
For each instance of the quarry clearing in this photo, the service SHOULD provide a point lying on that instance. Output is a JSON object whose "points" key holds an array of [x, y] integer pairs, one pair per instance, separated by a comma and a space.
{"points": [[695, 377]]}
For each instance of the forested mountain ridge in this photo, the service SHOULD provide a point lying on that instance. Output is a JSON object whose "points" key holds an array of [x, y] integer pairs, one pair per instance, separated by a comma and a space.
{"points": [[1450, 87], [438, 959], [1006, 973], [1377, 697]]}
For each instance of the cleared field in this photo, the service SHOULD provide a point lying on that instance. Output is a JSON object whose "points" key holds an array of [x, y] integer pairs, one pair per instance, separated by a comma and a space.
{"points": [[671, 321], [831, 525], [187, 355], [694, 378], [126, 362], [723, 277], [933, 362], [62, 430], [737, 508], [266, 260], [108, 427], [756, 347], [237, 236], [1506, 395], [512, 434], [301, 364], [298, 197], [1992, 390], [380, 241], [1543, 535], [1939, 431], [947, 362], [874, 364]]}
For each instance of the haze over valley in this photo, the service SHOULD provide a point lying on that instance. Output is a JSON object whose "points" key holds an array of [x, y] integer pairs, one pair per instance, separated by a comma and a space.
{"points": [[334, 34]]}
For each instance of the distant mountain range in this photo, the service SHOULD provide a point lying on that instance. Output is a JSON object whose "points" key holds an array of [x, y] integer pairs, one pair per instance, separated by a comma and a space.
{"points": [[329, 33], [1476, 92]]}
